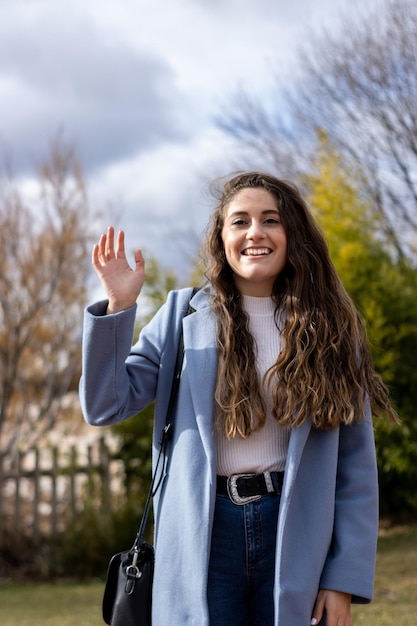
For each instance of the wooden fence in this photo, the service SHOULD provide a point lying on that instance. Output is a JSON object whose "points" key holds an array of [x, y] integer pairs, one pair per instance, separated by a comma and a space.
{"points": [[41, 490]]}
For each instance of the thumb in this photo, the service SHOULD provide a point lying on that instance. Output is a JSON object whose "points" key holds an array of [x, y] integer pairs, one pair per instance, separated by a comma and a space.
{"points": [[139, 260]]}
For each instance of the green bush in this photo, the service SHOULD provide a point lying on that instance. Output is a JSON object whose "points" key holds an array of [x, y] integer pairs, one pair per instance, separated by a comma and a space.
{"points": [[92, 537]]}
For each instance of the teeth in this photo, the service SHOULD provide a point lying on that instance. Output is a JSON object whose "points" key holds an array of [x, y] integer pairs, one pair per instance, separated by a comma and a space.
{"points": [[256, 251]]}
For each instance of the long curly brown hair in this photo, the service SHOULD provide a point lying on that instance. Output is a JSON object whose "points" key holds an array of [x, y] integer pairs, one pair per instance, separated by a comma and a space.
{"points": [[324, 370]]}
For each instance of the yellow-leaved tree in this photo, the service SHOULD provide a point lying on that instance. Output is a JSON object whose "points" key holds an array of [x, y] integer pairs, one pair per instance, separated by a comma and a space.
{"points": [[384, 288]]}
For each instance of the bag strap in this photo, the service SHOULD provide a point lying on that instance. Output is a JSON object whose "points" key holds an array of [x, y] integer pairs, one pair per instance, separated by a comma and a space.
{"points": [[166, 432]]}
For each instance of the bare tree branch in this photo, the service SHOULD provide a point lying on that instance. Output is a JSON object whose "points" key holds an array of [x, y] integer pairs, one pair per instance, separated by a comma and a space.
{"points": [[357, 83], [43, 276]]}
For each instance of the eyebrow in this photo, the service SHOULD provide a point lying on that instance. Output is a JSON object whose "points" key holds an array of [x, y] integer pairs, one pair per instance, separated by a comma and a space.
{"points": [[264, 212]]}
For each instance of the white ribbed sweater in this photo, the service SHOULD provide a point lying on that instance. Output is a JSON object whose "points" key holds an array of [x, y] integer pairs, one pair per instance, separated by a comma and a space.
{"points": [[265, 449]]}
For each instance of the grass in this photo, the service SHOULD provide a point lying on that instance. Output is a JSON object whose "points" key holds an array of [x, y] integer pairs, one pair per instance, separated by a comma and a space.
{"points": [[60, 604], [395, 602], [76, 604]]}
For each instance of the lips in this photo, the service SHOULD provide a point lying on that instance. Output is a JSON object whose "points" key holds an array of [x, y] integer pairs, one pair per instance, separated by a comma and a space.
{"points": [[256, 251]]}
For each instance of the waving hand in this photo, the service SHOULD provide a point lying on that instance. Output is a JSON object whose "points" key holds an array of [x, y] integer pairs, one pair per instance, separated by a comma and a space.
{"points": [[121, 283]]}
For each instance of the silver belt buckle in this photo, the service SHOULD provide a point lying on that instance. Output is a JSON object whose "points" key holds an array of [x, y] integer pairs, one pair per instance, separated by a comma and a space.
{"points": [[232, 489]]}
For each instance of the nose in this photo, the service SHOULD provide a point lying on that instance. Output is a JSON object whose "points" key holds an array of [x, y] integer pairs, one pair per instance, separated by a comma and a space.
{"points": [[255, 230]]}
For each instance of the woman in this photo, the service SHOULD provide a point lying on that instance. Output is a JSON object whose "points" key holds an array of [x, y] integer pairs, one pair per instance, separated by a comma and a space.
{"points": [[268, 514]]}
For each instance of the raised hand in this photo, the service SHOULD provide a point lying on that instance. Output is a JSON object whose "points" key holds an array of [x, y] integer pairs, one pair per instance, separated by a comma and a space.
{"points": [[121, 283]]}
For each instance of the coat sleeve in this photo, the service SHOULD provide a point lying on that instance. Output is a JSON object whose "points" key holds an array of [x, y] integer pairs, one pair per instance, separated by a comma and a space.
{"points": [[350, 564], [118, 380]]}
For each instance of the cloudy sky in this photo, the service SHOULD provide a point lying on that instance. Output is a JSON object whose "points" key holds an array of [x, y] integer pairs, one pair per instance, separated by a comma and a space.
{"points": [[136, 85]]}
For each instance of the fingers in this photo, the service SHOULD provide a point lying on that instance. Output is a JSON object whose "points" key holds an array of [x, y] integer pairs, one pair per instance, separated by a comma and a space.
{"points": [[109, 246], [120, 245], [318, 610], [106, 245], [337, 606], [98, 254], [94, 256], [104, 250]]}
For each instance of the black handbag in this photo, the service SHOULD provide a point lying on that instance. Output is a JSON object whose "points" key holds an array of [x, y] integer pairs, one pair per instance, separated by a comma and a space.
{"points": [[127, 599], [127, 596]]}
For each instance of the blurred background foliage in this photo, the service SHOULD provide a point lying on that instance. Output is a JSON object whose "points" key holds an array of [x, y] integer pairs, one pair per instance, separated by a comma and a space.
{"points": [[345, 131]]}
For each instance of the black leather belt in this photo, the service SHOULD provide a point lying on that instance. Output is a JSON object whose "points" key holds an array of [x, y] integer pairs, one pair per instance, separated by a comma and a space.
{"points": [[244, 488]]}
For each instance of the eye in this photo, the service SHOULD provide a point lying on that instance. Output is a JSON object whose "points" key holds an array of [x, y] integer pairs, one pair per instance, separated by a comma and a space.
{"points": [[273, 220], [239, 221]]}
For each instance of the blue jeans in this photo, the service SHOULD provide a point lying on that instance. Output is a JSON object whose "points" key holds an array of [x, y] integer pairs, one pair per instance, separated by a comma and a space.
{"points": [[242, 562]]}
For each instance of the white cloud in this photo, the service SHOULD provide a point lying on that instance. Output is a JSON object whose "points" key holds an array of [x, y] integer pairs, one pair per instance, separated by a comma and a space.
{"points": [[61, 71], [135, 86], [160, 198]]}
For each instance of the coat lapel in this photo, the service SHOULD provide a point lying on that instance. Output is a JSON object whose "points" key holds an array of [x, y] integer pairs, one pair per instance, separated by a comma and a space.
{"points": [[296, 445], [298, 438], [201, 366]]}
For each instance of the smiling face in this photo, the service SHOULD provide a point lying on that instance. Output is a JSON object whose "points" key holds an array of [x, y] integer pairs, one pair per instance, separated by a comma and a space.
{"points": [[254, 241]]}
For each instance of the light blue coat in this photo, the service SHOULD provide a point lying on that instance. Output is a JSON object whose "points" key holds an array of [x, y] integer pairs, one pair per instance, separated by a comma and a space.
{"points": [[328, 521]]}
